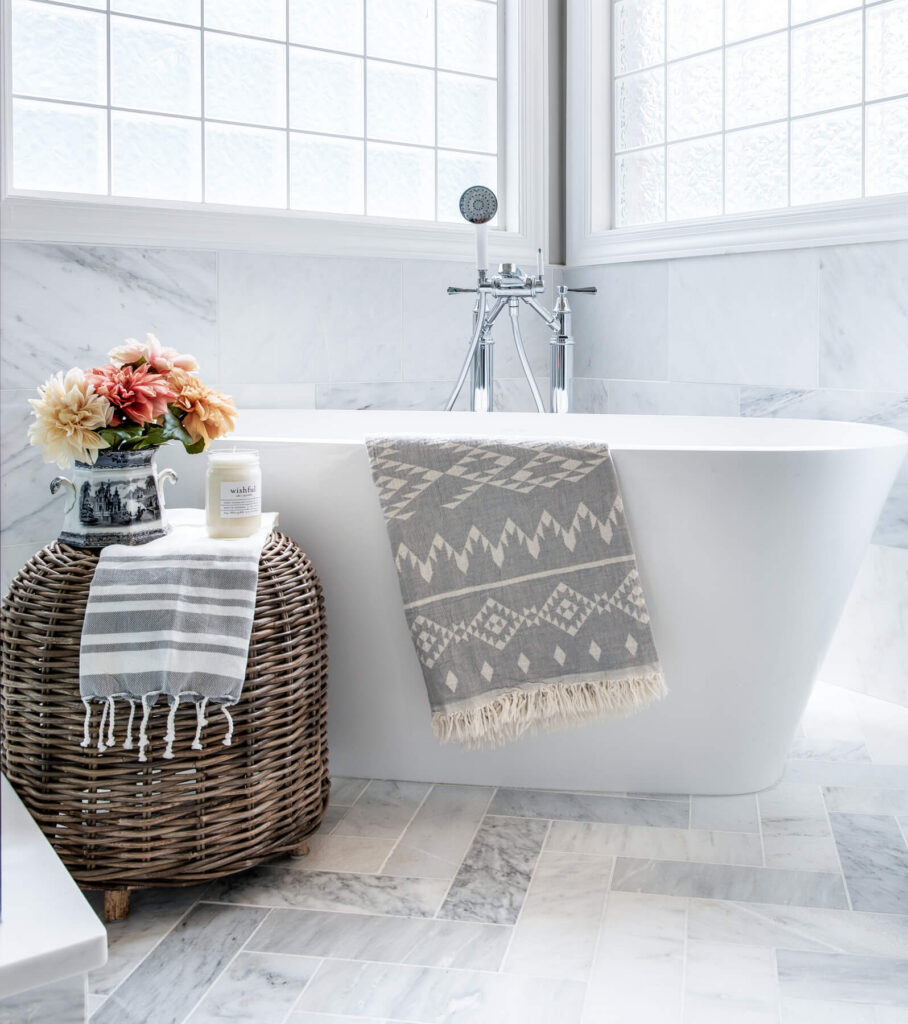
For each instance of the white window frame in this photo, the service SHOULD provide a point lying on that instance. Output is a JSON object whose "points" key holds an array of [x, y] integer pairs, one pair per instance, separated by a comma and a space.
{"points": [[591, 239], [65, 218]]}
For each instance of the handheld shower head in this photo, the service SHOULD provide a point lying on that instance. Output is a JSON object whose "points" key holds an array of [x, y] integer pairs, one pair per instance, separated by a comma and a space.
{"points": [[478, 205]]}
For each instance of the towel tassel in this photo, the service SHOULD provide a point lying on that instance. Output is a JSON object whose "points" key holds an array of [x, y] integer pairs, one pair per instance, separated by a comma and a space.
{"points": [[111, 739], [127, 743], [86, 733], [143, 733], [228, 739], [104, 710], [201, 721], [170, 736]]}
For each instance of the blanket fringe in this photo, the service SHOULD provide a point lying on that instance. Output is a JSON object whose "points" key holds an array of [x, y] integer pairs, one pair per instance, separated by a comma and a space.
{"points": [[511, 713]]}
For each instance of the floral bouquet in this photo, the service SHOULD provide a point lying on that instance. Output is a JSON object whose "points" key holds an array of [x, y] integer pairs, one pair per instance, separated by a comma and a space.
{"points": [[146, 396]]}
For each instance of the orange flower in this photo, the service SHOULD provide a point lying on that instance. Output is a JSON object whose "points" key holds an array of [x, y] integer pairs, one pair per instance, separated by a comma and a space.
{"points": [[209, 413]]}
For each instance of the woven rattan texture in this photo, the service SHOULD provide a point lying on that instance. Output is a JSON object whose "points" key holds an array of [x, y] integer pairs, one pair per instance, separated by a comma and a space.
{"points": [[204, 814]]}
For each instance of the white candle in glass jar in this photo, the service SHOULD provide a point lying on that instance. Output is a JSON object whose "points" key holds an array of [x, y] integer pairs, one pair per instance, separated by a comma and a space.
{"points": [[233, 502]]}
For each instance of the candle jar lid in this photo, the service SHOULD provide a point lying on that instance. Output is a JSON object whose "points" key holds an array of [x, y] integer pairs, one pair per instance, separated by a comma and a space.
{"points": [[234, 455]]}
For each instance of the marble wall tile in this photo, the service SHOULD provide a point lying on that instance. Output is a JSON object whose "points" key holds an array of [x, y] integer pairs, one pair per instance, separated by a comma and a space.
{"points": [[528, 803], [383, 809], [749, 318], [513, 394], [440, 834], [493, 879], [720, 881], [622, 331], [273, 395], [428, 995], [650, 398], [62, 1002], [805, 928], [310, 318], [809, 1011], [864, 316], [383, 395], [590, 395], [182, 967], [12, 558], [874, 861], [555, 936], [399, 940], [639, 965], [66, 305], [257, 988], [836, 976], [285, 885], [363, 854], [643, 841], [725, 813], [749, 989]]}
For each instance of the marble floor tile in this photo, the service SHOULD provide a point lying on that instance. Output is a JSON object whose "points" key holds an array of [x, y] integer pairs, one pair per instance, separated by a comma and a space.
{"points": [[439, 836], [257, 988], [331, 1018], [345, 792], [824, 749], [383, 809], [874, 861], [332, 816], [555, 935], [725, 813], [843, 978], [842, 773], [181, 969], [364, 854], [866, 799], [427, 995], [59, 1002], [792, 809], [638, 970], [285, 885], [821, 1011], [799, 928], [529, 803], [493, 879], [885, 726], [398, 940], [720, 881], [801, 853], [831, 714], [93, 1004], [748, 992], [645, 842]]}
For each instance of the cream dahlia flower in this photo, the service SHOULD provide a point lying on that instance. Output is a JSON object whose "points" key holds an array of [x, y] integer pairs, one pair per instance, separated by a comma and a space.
{"points": [[162, 358], [67, 415]]}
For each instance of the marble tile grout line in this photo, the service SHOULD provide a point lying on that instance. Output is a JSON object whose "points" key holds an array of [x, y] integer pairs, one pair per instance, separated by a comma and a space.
{"points": [[403, 831], [760, 830], [293, 1009], [597, 943], [835, 844], [482, 818], [507, 949], [687, 903]]}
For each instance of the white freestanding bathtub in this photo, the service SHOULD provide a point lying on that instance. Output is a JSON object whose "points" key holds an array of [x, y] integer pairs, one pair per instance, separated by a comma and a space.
{"points": [[748, 535]]}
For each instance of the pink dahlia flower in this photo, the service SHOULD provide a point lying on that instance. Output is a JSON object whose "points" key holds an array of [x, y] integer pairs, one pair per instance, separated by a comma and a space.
{"points": [[138, 394], [161, 358]]}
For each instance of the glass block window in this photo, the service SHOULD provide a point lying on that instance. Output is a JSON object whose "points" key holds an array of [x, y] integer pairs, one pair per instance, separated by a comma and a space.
{"points": [[382, 108], [737, 106]]}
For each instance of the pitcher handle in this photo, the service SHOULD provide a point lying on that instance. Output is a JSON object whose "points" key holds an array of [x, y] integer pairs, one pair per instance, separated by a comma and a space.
{"points": [[62, 481], [167, 475]]}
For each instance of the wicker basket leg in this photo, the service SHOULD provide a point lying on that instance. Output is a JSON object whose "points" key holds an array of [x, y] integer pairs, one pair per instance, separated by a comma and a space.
{"points": [[302, 850], [116, 904]]}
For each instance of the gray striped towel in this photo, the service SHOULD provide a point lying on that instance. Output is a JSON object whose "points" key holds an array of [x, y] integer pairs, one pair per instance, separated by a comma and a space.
{"points": [[170, 619]]}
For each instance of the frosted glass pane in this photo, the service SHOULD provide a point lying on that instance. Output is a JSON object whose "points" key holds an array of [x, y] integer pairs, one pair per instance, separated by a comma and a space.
{"points": [[756, 81], [401, 30], [887, 148], [693, 25], [887, 50], [756, 169], [156, 157], [245, 80], [263, 18], [695, 179], [59, 148], [245, 166], [326, 92], [826, 158], [640, 188], [826, 64], [467, 113], [400, 103], [807, 10], [155, 67], [186, 11], [334, 26], [468, 36], [326, 175], [400, 182], [59, 53], [640, 109], [695, 96], [457, 172], [747, 18], [639, 34]]}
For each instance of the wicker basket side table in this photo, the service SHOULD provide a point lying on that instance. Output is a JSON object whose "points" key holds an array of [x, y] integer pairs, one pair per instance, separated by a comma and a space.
{"points": [[119, 824]]}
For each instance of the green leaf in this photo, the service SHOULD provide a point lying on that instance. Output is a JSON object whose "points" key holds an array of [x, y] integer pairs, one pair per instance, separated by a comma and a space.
{"points": [[196, 448]]}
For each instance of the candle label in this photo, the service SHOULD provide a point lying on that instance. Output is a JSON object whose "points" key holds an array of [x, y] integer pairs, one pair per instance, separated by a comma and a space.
{"points": [[240, 499]]}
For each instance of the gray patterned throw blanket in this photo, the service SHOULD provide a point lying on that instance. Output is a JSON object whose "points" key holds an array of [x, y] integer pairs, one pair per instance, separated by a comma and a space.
{"points": [[519, 584]]}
